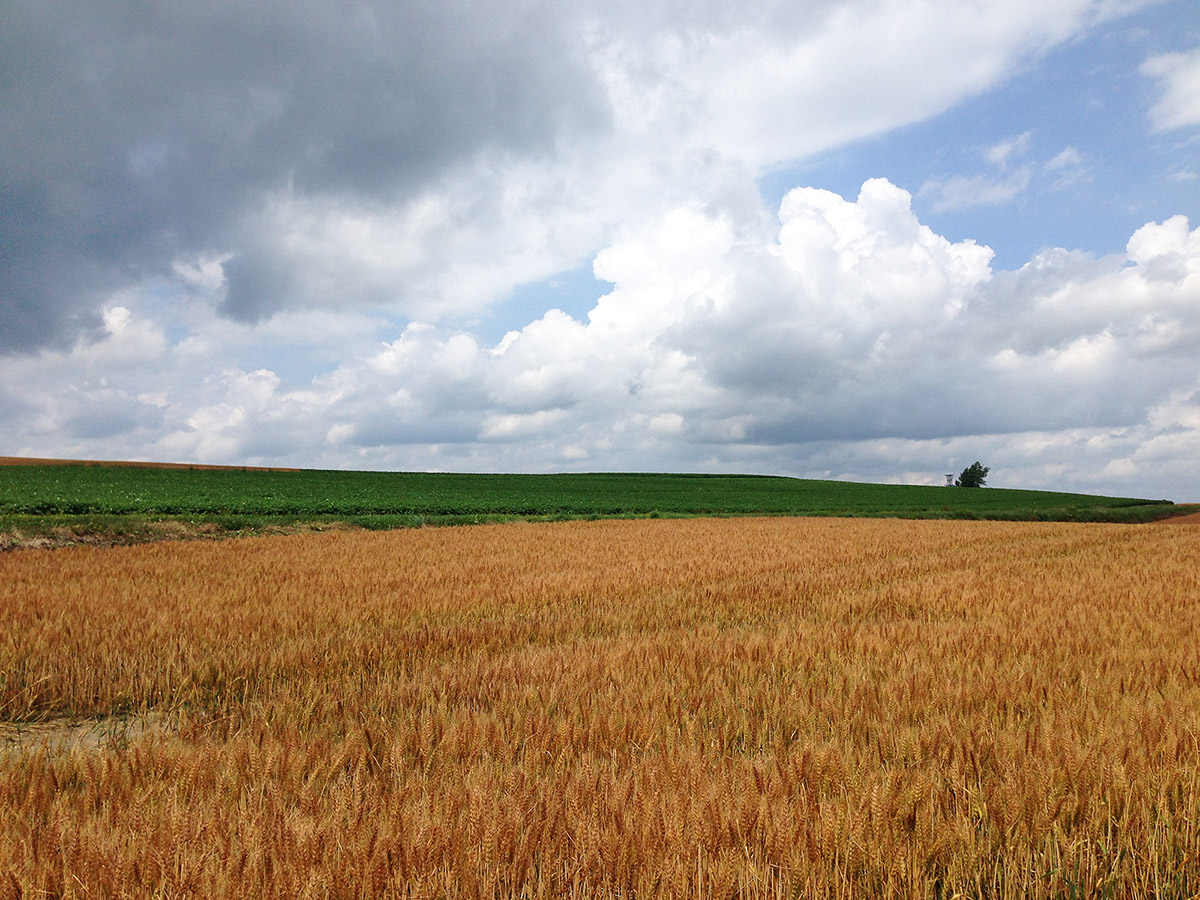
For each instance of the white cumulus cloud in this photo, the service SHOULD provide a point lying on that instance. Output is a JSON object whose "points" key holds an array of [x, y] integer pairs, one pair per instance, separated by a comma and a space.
{"points": [[277, 243], [841, 338]]}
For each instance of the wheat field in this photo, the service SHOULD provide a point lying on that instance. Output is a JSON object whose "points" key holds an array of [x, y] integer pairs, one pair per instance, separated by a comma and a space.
{"points": [[695, 708]]}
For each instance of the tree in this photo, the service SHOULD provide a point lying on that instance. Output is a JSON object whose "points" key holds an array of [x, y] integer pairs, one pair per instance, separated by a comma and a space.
{"points": [[974, 475]]}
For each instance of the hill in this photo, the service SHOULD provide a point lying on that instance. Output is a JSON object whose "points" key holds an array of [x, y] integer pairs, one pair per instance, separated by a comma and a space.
{"points": [[52, 501]]}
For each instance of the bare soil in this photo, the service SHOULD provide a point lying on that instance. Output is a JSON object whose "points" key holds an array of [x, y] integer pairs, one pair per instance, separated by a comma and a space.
{"points": [[134, 464], [69, 536], [150, 531], [71, 735], [1190, 519]]}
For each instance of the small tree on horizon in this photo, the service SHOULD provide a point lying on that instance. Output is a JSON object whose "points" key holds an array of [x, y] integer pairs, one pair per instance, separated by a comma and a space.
{"points": [[974, 475]]}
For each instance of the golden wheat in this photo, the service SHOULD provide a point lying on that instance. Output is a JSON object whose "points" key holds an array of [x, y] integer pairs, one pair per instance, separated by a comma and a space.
{"points": [[752, 708]]}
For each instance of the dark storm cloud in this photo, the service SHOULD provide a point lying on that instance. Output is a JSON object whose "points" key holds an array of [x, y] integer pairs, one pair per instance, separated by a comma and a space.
{"points": [[257, 285], [132, 132], [13, 406], [455, 428], [944, 402], [109, 414]]}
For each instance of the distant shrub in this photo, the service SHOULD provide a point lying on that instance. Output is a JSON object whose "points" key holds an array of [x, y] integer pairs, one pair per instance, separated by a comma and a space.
{"points": [[974, 475]]}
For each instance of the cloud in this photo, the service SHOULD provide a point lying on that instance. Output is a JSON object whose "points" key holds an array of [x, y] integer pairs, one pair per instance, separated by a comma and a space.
{"points": [[1067, 168], [1012, 176], [1178, 77], [842, 338], [768, 97], [1018, 146], [960, 192], [232, 235], [1068, 159], [133, 135], [1015, 168], [422, 159]]}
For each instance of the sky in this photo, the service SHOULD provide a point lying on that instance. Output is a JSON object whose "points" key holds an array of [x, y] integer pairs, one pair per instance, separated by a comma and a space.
{"points": [[874, 239]]}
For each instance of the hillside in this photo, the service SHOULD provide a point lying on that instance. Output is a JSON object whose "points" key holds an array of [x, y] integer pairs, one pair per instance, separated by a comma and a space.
{"points": [[53, 502]]}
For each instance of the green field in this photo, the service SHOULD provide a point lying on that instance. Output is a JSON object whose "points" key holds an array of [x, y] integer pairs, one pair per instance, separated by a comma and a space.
{"points": [[126, 500]]}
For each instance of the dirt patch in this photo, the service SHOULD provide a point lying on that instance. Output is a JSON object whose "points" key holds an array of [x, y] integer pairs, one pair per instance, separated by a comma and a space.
{"points": [[1190, 519], [79, 735], [82, 536], [150, 531], [135, 464]]}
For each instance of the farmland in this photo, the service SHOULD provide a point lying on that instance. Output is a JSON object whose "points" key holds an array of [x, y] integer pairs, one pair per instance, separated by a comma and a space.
{"points": [[757, 707], [129, 499]]}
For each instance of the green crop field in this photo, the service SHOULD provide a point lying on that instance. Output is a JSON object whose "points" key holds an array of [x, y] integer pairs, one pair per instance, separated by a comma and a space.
{"points": [[125, 500]]}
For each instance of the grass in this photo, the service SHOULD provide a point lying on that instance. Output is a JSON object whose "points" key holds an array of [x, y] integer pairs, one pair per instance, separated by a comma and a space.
{"points": [[128, 503]]}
